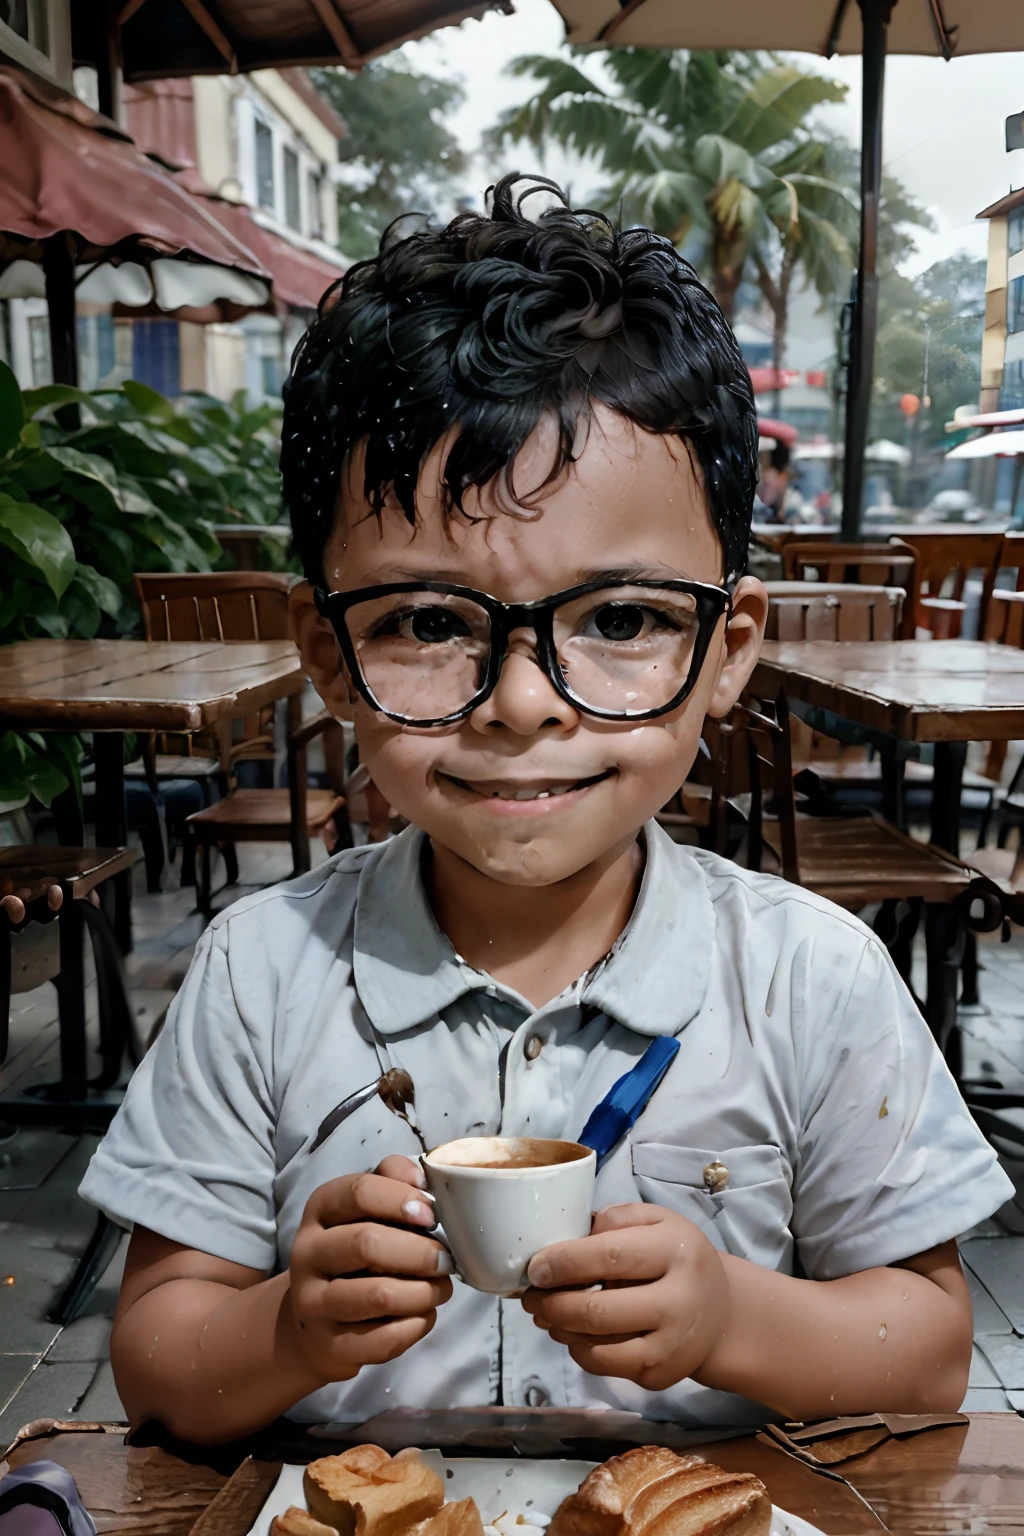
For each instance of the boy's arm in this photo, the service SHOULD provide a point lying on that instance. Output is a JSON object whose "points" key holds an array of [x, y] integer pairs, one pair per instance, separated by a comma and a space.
{"points": [[215, 1350], [671, 1306]]}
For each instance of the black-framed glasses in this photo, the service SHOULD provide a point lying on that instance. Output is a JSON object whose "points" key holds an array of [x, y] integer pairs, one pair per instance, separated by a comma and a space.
{"points": [[428, 653]]}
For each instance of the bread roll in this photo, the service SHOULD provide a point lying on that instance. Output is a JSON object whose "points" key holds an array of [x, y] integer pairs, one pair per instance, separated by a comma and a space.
{"points": [[652, 1490], [299, 1522], [366, 1492], [462, 1519]]}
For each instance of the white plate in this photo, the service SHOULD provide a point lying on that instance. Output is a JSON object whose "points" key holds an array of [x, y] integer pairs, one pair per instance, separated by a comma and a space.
{"points": [[519, 1486]]}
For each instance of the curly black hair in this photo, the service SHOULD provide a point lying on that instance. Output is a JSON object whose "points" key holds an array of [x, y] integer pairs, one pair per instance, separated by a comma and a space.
{"points": [[489, 324]]}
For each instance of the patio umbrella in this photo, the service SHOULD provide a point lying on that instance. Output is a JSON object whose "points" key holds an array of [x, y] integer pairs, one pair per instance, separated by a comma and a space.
{"points": [[85, 214], [945, 27], [996, 445]]}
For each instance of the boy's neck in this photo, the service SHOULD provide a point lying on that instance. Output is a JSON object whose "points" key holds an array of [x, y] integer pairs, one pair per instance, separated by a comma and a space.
{"points": [[536, 939]]}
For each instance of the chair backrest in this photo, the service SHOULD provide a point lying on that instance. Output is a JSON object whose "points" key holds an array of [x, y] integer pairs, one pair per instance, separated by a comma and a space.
{"points": [[764, 770], [220, 605], [873, 565], [1004, 622], [949, 555], [1011, 556], [806, 610]]}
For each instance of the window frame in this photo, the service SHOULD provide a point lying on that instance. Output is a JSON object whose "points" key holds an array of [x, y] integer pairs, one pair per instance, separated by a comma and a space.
{"points": [[55, 62], [263, 132]]}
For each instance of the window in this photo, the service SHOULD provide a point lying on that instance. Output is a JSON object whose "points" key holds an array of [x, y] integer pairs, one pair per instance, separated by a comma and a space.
{"points": [[156, 355], [27, 20], [292, 199], [1015, 231], [1015, 305], [264, 165], [314, 191], [39, 350], [1011, 396]]}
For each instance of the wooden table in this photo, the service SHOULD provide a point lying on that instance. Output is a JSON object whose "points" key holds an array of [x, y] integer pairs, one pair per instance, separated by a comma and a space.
{"points": [[946, 692], [110, 687], [943, 1482]]}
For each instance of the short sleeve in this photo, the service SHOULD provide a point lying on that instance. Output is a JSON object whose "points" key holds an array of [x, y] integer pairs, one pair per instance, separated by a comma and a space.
{"points": [[190, 1153], [890, 1161]]}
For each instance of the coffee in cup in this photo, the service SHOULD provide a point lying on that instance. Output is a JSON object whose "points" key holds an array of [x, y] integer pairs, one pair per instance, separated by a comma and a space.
{"points": [[501, 1199]]}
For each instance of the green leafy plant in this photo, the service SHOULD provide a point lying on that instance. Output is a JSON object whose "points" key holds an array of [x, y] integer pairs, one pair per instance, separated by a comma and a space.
{"points": [[94, 487]]}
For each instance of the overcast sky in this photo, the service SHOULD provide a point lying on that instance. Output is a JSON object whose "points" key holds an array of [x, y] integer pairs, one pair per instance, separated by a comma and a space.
{"points": [[943, 133]]}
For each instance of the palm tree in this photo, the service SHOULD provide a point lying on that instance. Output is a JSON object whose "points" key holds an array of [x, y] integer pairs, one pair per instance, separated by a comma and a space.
{"points": [[710, 149]]}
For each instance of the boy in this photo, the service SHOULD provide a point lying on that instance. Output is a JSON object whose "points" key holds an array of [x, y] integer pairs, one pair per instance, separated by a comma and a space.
{"points": [[520, 457]]}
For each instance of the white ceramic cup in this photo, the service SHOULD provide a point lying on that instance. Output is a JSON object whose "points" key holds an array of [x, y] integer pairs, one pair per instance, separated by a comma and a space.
{"points": [[495, 1218]]}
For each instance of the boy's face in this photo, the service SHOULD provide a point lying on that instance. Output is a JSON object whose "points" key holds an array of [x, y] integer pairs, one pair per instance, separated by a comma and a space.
{"points": [[631, 502]]}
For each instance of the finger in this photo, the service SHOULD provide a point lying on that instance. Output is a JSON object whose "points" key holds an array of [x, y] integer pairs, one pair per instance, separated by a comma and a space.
{"points": [[54, 898], [378, 1296], [369, 1196], [368, 1245], [614, 1217], [404, 1170], [14, 908], [631, 1309], [579, 1341], [636, 1253], [632, 1358], [377, 1343]]}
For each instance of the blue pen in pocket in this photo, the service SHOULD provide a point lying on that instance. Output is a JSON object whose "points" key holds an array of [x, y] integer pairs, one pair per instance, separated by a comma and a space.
{"points": [[627, 1099]]}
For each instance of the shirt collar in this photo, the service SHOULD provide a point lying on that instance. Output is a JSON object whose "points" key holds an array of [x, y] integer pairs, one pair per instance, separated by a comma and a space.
{"points": [[653, 980]]}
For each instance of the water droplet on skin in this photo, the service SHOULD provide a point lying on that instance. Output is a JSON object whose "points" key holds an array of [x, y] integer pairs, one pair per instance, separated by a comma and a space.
{"points": [[882, 1331]]}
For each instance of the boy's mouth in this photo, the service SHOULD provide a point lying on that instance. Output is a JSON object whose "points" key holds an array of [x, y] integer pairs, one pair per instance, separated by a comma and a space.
{"points": [[527, 790]]}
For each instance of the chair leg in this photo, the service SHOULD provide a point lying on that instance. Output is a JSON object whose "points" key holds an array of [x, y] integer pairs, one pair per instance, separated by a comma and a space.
{"points": [[230, 853], [969, 970], [188, 858], [944, 937], [116, 1033], [203, 901], [5, 985], [100, 1250], [71, 1000]]}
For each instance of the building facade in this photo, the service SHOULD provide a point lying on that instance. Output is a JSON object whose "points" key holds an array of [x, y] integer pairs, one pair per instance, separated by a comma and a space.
{"points": [[1002, 356]]}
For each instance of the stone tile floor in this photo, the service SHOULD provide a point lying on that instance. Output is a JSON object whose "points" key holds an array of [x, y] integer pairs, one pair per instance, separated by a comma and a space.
{"points": [[46, 1371]]}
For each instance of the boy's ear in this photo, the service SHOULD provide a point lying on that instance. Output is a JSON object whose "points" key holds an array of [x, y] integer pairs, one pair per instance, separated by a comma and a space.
{"points": [[320, 651], [741, 645]]}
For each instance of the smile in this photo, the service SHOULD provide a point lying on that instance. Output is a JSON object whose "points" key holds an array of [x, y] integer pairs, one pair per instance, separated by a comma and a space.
{"points": [[512, 790]]}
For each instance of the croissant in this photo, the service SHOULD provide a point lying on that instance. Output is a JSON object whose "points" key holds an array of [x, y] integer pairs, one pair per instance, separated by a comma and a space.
{"points": [[366, 1492], [299, 1522], [461, 1519], [651, 1490]]}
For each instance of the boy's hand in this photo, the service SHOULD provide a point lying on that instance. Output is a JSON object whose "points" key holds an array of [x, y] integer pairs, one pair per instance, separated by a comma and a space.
{"points": [[663, 1305], [366, 1280]]}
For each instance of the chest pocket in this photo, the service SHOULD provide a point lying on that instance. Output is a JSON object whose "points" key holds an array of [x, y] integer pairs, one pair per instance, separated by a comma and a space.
{"points": [[740, 1197]]}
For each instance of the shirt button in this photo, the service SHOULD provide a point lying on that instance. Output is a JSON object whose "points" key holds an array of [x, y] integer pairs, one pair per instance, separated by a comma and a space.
{"points": [[537, 1397], [533, 1047]]}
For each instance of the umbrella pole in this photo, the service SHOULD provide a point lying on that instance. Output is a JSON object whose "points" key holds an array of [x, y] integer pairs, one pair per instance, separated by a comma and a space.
{"points": [[59, 275], [875, 16]]}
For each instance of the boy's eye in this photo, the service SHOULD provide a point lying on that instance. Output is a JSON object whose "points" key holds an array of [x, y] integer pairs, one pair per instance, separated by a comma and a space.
{"points": [[432, 626], [618, 623]]}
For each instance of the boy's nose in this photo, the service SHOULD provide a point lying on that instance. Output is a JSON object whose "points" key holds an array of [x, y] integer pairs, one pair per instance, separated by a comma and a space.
{"points": [[524, 700]]}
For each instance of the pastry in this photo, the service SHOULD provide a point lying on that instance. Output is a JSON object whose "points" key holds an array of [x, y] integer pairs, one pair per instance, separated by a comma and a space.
{"points": [[299, 1522], [651, 1490], [462, 1519], [366, 1492]]}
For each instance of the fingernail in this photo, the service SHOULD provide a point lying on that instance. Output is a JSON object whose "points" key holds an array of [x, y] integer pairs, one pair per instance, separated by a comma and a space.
{"points": [[539, 1272], [418, 1210], [419, 1177], [445, 1262]]}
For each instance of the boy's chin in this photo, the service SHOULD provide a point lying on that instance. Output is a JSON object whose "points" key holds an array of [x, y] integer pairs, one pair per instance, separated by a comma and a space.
{"points": [[532, 858]]}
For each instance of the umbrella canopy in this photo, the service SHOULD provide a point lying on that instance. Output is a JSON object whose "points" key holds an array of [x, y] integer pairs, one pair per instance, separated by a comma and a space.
{"points": [[870, 27], [809, 26], [996, 445], [132, 234], [160, 38]]}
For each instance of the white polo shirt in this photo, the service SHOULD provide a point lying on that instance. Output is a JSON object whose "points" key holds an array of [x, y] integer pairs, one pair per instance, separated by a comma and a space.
{"points": [[804, 1067]]}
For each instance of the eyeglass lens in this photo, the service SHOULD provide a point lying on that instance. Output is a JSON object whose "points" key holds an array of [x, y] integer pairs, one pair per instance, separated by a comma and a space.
{"points": [[424, 654]]}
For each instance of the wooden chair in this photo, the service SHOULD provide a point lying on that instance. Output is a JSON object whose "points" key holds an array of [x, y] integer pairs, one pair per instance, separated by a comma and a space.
{"points": [[810, 610], [31, 952], [222, 605], [882, 565], [272, 815], [945, 559], [857, 861]]}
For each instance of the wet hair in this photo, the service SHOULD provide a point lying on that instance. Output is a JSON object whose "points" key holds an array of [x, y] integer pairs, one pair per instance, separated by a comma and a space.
{"points": [[493, 322]]}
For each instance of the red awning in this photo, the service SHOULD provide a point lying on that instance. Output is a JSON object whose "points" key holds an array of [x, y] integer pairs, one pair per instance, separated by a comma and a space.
{"points": [[782, 432], [299, 279], [67, 169]]}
